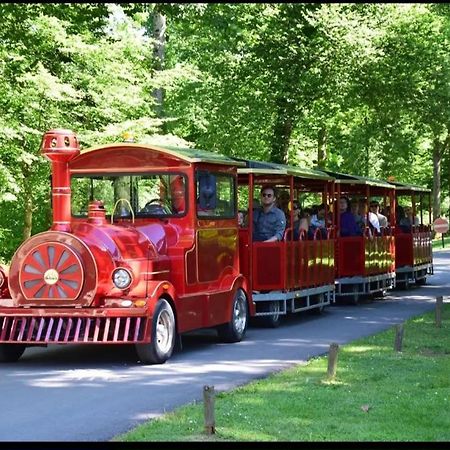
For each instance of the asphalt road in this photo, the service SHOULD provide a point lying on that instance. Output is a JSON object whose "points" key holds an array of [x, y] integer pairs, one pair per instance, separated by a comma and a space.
{"points": [[92, 393]]}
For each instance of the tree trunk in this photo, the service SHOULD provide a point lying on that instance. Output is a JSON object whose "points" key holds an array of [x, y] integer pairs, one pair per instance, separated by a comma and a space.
{"points": [[439, 148], [159, 47], [282, 133], [437, 156], [322, 147], [28, 208]]}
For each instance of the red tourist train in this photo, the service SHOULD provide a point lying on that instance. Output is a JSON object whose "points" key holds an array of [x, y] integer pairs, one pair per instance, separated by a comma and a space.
{"points": [[145, 245]]}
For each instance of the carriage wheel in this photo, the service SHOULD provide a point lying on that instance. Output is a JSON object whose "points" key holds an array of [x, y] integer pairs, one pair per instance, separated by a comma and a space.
{"points": [[274, 320], [421, 281], [160, 349], [354, 297], [321, 307], [234, 330], [11, 352]]}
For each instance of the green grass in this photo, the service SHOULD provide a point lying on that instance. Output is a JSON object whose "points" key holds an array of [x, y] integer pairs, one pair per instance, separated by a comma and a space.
{"points": [[407, 395], [437, 243]]}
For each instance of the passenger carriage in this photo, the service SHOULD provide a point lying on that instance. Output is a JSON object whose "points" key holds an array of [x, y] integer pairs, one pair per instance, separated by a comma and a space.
{"points": [[143, 247], [364, 264], [413, 238], [290, 275]]}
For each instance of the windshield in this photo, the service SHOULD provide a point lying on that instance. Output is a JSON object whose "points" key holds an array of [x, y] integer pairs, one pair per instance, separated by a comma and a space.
{"points": [[154, 194]]}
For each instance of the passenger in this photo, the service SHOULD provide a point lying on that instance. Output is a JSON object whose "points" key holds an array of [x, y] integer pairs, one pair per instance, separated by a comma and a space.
{"points": [[348, 225], [283, 202], [375, 208], [403, 222], [318, 218], [269, 222], [373, 223], [242, 218], [409, 216], [357, 207], [318, 221], [305, 223]]}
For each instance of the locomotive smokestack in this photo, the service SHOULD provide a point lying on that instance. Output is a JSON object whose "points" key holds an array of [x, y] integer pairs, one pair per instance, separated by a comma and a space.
{"points": [[60, 146]]}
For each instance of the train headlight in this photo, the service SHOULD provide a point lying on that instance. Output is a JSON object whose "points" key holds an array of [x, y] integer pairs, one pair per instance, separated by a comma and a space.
{"points": [[121, 278]]}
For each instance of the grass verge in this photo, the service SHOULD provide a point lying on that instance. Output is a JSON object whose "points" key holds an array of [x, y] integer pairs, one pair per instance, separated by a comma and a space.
{"points": [[437, 243], [377, 395]]}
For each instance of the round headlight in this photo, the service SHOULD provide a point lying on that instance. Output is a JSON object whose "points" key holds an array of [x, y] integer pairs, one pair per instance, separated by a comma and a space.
{"points": [[121, 278]]}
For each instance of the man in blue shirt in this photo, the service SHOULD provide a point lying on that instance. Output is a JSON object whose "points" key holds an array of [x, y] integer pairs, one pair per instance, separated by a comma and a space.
{"points": [[269, 222]]}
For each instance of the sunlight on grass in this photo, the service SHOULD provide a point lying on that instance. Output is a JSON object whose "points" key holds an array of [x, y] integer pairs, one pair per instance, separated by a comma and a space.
{"points": [[377, 395]]}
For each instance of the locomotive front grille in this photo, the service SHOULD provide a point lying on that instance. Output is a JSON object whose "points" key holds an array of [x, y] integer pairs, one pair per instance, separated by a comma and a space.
{"points": [[62, 330]]}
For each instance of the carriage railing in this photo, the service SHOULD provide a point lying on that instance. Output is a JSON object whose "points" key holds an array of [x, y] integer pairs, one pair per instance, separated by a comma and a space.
{"points": [[293, 264], [370, 254]]}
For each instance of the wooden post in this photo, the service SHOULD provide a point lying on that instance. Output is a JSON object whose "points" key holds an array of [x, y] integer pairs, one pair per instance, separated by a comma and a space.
{"points": [[438, 311], [398, 337], [332, 359], [208, 400]]}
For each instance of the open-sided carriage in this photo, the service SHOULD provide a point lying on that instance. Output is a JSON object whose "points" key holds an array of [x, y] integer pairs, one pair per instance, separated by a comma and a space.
{"points": [[290, 275], [413, 235], [364, 264]]}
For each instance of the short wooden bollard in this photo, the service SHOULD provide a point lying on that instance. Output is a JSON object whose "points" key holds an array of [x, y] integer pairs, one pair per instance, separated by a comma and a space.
{"points": [[398, 342], [438, 311], [208, 401], [332, 359]]}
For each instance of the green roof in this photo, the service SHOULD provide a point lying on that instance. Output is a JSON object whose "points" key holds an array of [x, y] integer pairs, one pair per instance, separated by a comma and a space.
{"points": [[346, 178], [409, 187], [285, 169], [190, 155]]}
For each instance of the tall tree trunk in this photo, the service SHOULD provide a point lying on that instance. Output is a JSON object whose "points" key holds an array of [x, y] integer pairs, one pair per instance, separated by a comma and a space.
{"points": [[439, 148], [437, 178], [282, 133], [28, 207], [159, 47], [322, 147]]}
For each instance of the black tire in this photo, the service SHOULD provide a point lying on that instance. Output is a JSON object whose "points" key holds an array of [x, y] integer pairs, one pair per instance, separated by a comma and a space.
{"points": [[354, 298], [11, 352], [234, 331], [421, 281], [274, 320], [163, 336], [319, 309]]}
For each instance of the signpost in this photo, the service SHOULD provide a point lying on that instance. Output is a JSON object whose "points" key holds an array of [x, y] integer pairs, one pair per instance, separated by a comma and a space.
{"points": [[440, 225]]}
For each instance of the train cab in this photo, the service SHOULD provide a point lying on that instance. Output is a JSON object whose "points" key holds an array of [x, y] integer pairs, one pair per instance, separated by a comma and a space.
{"points": [[296, 272], [365, 254], [413, 235], [143, 247]]}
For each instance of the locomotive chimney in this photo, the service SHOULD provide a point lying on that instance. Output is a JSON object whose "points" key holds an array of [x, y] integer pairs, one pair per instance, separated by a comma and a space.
{"points": [[60, 146]]}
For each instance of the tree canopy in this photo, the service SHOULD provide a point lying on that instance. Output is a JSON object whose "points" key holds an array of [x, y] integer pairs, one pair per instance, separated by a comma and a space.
{"points": [[357, 88]]}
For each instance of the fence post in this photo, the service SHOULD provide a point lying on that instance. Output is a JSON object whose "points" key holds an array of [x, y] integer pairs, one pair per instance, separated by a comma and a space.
{"points": [[438, 311], [332, 360], [208, 400], [398, 337]]}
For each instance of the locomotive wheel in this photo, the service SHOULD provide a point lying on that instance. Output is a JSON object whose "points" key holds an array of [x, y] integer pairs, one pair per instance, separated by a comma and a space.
{"points": [[160, 349], [274, 320], [234, 330], [11, 352]]}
